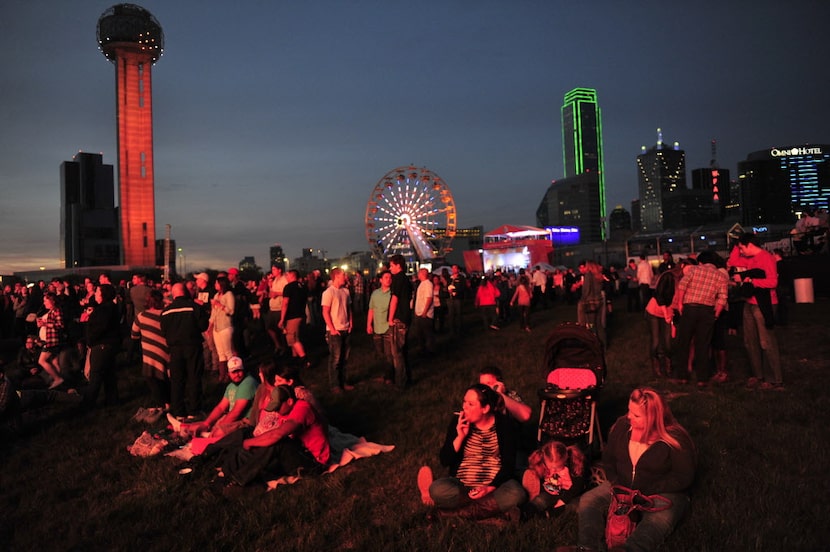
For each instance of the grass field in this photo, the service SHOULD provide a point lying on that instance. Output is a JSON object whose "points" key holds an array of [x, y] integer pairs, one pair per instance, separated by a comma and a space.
{"points": [[71, 485]]}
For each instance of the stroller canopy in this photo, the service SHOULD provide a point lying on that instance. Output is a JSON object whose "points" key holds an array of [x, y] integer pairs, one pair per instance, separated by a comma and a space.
{"points": [[572, 345]]}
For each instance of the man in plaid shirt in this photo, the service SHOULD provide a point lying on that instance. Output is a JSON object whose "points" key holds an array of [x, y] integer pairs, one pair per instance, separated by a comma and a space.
{"points": [[699, 299]]}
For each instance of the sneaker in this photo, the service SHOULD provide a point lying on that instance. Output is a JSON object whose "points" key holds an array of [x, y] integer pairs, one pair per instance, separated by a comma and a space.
{"points": [[531, 483], [767, 386], [753, 382], [424, 481]]}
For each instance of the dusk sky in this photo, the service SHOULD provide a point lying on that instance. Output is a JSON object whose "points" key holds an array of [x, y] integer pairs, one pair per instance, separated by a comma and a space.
{"points": [[274, 120]]}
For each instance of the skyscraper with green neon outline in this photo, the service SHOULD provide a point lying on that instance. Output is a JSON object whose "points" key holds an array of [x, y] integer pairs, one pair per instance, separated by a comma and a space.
{"points": [[582, 139]]}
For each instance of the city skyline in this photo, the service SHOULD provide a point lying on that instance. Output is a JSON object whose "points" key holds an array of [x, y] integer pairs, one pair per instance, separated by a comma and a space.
{"points": [[273, 123]]}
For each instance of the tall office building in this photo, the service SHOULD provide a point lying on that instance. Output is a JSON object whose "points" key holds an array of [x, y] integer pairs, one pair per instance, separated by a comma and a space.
{"points": [[130, 37], [661, 173], [582, 143], [779, 183], [89, 219], [573, 202]]}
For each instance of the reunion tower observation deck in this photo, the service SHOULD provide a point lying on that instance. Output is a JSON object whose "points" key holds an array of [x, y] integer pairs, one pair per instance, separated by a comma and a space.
{"points": [[130, 37]]}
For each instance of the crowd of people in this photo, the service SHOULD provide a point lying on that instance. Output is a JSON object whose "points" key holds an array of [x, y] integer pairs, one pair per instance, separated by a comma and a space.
{"points": [[72, 333]]}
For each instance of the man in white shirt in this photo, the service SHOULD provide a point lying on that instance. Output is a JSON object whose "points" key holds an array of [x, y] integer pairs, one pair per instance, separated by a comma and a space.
{"points": [[645, 275], [337, 313], [422, 330]]}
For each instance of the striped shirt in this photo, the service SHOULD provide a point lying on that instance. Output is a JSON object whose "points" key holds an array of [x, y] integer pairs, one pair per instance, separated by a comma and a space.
{"points": [[154, 353], [482, 462]]}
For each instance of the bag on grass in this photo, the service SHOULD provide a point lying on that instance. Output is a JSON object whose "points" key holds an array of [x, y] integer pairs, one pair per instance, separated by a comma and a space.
{"points": [[625, 512], [147, 445]]}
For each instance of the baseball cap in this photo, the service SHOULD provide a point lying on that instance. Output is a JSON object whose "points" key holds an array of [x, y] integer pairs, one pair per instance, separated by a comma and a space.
{"points": [[234, 364]]}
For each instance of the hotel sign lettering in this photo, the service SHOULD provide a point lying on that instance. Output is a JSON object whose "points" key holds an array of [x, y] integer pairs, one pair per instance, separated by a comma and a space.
{"points": [[775, 152]]}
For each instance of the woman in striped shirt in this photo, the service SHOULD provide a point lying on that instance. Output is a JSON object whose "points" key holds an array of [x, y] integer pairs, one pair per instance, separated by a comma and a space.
{"points": [[154, 354], [480, 452]]}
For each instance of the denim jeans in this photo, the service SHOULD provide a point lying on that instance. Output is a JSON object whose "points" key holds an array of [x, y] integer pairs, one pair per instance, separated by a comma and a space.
{"points": [[339, 348], [651, 531], [383, 348], [450, 493], [402, 374]]}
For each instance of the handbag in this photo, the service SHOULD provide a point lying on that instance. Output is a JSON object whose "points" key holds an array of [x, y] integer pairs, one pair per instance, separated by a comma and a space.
{"points": [[625, 512]]}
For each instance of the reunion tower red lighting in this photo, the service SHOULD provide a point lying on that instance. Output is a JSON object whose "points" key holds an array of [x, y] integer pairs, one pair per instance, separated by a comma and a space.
{"points": [[130, 37]]}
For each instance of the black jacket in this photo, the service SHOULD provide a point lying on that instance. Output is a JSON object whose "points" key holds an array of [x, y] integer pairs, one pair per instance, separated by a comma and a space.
{"points": [[183, 322], [104, 325]]}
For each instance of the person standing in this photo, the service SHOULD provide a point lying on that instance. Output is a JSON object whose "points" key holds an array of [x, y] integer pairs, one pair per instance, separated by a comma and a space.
{"points": [[155, 356], [422, 329], [760, 340], [337, 313], [400, 318], [220, 324], [182, 323], [294, 301], [278, 283], [632, 289], [645, 275], [700, 298], [591, 304], [377, 324], [242, 314], [457, 288], [523, 297], [103, 337], [487, 296]]}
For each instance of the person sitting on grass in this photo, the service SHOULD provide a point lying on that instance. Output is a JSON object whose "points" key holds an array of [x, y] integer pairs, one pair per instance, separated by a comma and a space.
{"points": [[647, 450], [556, 476], [14, 402], [27, 372], [231, 412], [480, 451], [289, 439]]}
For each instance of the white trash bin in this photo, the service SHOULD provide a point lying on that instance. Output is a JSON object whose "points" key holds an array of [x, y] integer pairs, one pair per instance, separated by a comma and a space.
{"points": [[803, 290]]}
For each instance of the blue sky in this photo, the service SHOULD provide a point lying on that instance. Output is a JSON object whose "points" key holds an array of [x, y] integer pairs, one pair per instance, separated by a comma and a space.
{"points": [[273, 121]]}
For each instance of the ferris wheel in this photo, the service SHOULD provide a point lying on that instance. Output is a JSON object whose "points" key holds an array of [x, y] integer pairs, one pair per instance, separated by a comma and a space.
{"points": [[410, 212]]}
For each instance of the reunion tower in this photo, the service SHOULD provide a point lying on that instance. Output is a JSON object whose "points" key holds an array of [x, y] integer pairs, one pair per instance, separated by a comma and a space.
{"points": [[130, 37]]}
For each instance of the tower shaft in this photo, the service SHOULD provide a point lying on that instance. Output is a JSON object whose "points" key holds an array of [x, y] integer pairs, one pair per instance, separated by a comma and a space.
{"points": [[134, 110]]}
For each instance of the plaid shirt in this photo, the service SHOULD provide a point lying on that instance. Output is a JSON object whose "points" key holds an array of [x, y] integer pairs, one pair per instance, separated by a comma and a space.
{"points": [[54, 328], [704, 285]]}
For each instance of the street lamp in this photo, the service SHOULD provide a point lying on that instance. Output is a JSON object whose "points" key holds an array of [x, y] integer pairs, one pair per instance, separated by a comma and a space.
{"points": [[184, 260]]}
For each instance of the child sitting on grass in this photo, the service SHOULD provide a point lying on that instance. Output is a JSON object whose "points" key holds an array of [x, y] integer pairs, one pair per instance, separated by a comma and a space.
{"points": [[555, 477]]}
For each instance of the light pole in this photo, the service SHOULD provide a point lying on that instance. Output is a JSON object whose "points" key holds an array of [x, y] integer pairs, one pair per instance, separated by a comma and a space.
{"points": [[184, 260]]}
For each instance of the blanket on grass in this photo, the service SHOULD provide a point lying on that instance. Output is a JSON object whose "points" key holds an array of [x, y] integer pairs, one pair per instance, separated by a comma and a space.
{"points": [[345, 447]]}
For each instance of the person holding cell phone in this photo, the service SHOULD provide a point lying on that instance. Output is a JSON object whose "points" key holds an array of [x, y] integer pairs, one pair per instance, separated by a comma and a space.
{"points": [[480, 452]]}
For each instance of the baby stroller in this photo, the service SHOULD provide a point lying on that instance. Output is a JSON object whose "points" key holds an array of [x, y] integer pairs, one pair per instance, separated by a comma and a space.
{"points": [[575, 367]]}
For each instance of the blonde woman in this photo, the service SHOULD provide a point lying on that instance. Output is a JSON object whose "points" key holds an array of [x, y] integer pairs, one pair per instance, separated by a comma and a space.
{"points": [[650, 451]]}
